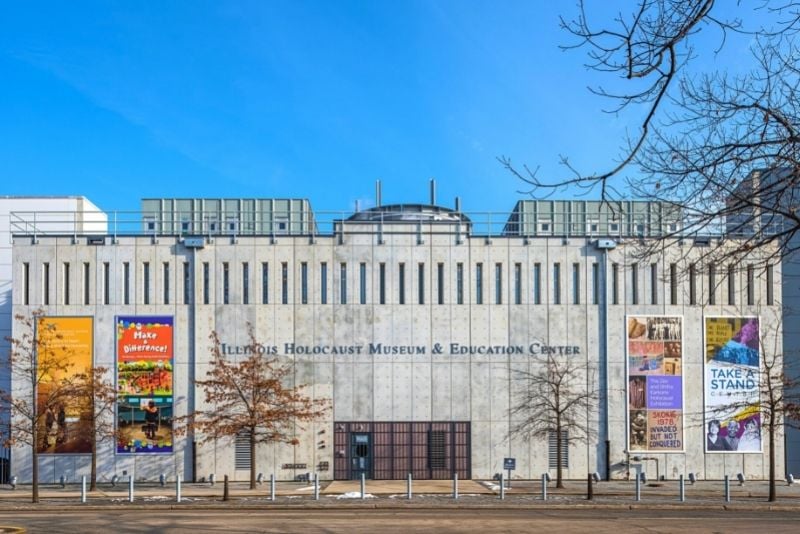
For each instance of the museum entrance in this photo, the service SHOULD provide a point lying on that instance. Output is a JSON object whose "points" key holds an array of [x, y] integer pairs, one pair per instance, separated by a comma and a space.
{"points": [[360, 455], [390, 451]]}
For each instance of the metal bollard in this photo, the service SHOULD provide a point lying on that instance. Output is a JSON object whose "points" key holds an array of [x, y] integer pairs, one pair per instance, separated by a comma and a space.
{"points": [[544, 487], [681, 489], [408, 487], [272, 488], [502, 487], [638, 488], [178, 488], [455, 485], [727, 488], [363, 486], [589, 488], [316, 486], [130, 488], [226, 495], [83, 489]]}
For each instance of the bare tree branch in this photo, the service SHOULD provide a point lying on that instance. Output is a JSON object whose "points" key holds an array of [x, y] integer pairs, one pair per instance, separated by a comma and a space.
{"points": [[701, 136], [552, 399], [252, 397]]}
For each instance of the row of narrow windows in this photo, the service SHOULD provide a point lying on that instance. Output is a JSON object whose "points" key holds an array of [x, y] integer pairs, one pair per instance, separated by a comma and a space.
{"points": [[481, 279]]}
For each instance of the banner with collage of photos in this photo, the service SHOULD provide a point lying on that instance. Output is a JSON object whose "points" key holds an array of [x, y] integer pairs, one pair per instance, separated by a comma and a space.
{"points": [[145, 381], [732, 364], [655, 383]]}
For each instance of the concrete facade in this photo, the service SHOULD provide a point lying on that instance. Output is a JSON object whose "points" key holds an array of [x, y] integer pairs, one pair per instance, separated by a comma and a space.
{"points": [[406, 361]]}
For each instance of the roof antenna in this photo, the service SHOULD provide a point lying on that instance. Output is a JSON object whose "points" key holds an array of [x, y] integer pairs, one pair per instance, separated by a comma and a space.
{"points": [[378, 193], [433, 192]]}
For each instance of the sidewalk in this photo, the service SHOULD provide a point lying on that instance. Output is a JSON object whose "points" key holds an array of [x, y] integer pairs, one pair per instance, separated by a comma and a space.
{"points": [[426, 493]]}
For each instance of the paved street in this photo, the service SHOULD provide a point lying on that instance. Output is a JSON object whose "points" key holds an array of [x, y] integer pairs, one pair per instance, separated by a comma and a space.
{"points": [[386, 508], [122, 521]]}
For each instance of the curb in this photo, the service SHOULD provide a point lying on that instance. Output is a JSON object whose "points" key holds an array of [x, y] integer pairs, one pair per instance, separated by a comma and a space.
{"points": [[232, 508]]}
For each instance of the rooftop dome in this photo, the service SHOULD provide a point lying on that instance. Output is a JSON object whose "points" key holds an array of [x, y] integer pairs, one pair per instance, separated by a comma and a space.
{"points": [[409, 213]]}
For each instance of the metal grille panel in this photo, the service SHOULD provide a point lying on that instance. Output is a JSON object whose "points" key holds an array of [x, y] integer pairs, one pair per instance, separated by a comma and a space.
{"points": [[552, 453], [426, 450], [243, 459]]}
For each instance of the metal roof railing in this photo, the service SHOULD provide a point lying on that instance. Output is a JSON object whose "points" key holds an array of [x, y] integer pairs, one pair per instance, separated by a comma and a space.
{"points": [[329, 223]]}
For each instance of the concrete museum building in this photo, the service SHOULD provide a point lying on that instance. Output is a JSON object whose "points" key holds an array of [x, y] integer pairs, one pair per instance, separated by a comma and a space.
{"points": [[416, 321]]}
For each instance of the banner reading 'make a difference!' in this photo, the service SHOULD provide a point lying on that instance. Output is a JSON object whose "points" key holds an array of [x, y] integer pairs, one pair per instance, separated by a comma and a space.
{"points": [[145, 380]]}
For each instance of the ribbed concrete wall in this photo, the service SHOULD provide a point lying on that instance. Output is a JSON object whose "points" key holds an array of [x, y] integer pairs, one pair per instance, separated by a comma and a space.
{"points": [[432, 386]]}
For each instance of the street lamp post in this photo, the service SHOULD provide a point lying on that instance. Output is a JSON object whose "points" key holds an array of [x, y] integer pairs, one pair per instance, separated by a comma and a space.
{"points": [[605, 245]]}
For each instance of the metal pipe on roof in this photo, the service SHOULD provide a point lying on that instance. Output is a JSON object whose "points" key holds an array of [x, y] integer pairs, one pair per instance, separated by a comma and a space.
{"points": [[378, 193], [433, 192], [458, 204]]}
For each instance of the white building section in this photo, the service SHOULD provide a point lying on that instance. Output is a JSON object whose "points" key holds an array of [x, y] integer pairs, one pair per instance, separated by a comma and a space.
{"points": [[32, 215]]}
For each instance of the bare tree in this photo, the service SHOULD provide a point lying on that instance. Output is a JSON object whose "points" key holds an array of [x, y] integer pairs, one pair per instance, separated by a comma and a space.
{"points": [[253, 397], [554, 399], [776, 407], [721, 147], [779, 406], [97, 384], [42, 387]]}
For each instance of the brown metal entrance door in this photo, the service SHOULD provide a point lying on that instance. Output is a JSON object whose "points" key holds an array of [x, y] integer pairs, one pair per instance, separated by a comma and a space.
{"points": [[383, 451], [360, 455]]}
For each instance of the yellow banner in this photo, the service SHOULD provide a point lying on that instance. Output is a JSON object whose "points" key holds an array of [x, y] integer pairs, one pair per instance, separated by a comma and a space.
{"points": [[64, 350]]}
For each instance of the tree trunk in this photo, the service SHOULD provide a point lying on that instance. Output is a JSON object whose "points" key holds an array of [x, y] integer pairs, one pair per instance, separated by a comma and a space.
{"points": [[559, 452], [34, 420], [772, 495], [252, 459], [93, 474], [35, 464]]}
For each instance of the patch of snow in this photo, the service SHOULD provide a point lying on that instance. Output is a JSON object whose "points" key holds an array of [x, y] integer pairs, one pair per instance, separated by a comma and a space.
{"points": [[354, 495], [305, 488]]}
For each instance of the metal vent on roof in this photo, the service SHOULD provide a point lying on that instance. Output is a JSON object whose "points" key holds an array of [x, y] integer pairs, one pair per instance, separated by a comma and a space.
{"points": [[194, 242]]}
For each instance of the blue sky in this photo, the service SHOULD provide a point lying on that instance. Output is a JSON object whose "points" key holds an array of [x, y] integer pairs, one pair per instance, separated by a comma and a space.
{"points": [[122, 100]]}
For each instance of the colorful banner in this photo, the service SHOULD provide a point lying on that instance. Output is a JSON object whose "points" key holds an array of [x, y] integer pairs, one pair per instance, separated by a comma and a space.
{"points": [[144, 378], [655, 383], [732, 374], [64, 351]]}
